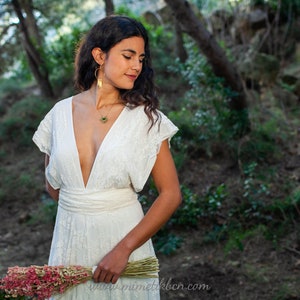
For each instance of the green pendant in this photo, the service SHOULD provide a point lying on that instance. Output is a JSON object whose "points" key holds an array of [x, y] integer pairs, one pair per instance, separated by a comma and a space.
{"points": [[103, 119]]}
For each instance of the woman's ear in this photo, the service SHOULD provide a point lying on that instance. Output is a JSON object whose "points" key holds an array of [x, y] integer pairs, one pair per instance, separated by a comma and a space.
{"points": [[98, 55]]}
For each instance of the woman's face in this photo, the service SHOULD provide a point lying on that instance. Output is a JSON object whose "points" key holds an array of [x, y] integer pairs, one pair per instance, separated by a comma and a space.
{"points": [[124, 62]]}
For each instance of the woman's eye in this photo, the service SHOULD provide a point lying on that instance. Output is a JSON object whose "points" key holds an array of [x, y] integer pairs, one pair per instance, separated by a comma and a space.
{"points": [[130, 57]]}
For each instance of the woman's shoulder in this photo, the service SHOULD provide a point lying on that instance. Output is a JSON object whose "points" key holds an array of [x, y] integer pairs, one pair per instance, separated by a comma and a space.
{"points": [[63, 102], [140, 110], [160, 119], [60, 106]]}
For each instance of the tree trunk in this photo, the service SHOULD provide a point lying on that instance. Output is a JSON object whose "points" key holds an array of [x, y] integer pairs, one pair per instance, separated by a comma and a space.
{"points": [[109, 7], [36, 63], [211, 49], [31, 24], [181, 52]]}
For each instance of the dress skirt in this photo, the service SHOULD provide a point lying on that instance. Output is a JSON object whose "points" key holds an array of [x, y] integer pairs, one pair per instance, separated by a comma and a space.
{"points": [[89, 224]]}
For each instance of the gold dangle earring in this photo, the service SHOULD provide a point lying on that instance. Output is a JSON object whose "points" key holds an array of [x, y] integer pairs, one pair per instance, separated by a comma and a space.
{"points": [[99, 80]]}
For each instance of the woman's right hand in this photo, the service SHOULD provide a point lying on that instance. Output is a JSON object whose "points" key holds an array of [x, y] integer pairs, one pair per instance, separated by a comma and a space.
{"points": [[111, 267]]}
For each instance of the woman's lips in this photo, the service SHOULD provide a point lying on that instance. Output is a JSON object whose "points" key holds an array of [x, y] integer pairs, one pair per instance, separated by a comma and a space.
{"points": [[132, 77]]}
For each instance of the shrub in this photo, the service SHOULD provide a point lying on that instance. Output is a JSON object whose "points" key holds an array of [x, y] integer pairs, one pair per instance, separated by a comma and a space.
{"points": [[205, 120], [61, 54], [20, 122]]}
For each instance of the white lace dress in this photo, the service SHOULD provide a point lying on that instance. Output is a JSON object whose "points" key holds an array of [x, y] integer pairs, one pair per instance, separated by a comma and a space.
{"points": [[92, 219]]}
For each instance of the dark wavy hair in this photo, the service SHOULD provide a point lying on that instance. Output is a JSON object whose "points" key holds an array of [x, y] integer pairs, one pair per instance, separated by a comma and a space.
{"points": [[105, 34]]}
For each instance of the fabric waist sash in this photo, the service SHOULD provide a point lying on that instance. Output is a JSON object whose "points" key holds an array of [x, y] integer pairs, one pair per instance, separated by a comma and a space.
{"points": [[95, 201]]}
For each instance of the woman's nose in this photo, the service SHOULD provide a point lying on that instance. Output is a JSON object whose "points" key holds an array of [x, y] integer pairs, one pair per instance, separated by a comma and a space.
{"points": [[136, 65]]}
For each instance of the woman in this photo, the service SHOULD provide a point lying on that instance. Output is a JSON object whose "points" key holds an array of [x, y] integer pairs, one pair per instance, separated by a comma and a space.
{"points": [[101, 146]]}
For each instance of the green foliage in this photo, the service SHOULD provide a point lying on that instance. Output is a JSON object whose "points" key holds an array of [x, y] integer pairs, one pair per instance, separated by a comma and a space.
{"points": [[10, 86], [181, 153], [195, 207], [19, 124], [205, 120], [260, 144], [258, 212], [166, 243], [187, 215], [189, 212], [236, 238], [254, 193], [289, 207], [22, 72], [162, 42], [125, 11], [253, 208], [61, 55], [47, 211], [287, 8], [14, 185]]}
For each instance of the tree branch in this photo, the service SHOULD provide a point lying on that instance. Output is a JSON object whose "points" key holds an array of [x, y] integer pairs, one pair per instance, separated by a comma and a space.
{"points": [[211, 49]]}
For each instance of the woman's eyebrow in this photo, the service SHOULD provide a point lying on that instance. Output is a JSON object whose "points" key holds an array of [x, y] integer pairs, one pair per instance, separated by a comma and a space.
{"points": [[133, 52]]}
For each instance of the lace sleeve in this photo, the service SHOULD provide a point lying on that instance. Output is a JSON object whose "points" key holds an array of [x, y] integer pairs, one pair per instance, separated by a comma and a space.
{"points": [[42, 136], [148, 147], [165, 131]]}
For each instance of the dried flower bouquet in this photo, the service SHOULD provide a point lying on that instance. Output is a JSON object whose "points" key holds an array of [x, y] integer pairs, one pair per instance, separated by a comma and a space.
{"points": [[44, 281]]}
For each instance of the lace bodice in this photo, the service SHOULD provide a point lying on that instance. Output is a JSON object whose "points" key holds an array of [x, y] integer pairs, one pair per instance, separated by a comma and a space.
{"points": [[125, 158]]}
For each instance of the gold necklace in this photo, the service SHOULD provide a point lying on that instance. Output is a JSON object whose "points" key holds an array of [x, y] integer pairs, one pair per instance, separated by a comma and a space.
{"points": [[104, 118]]}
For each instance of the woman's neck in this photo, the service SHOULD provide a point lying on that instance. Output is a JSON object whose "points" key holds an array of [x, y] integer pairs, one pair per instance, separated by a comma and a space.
{"points": [[102, 97]]}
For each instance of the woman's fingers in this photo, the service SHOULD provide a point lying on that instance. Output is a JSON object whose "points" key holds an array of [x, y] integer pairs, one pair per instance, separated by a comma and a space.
{"points": [[102, 275]]}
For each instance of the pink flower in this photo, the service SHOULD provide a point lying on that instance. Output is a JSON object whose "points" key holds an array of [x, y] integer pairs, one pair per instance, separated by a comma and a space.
{"points": [[43, 281]]}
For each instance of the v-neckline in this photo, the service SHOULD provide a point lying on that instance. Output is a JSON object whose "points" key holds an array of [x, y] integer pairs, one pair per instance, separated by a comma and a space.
{"points": [[99, 148]]}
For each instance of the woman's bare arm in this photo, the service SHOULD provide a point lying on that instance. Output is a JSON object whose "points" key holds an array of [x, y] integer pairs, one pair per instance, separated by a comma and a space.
{"points": [[166, 180]]}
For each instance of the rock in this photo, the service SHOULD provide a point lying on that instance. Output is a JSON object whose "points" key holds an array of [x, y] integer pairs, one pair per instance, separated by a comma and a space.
{"points": [[220, 20], [291, 77], [288, 79], [246, 25], [293, 163], [284, 97], [260, 67], [152, 18], [240, 30], [24, 217], [257, 19]]}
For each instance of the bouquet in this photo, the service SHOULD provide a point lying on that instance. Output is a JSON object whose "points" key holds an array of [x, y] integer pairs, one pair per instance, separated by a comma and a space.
{"points": [[44, 281]]}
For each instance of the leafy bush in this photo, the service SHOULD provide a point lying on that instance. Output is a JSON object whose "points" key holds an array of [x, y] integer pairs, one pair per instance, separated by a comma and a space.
{"points": [[205, 120], [47, 211], [289, 207], [258, 211], [187, 215], [287, 8], [16, 185], [61, 54], [236, 237], [19, 124], [9, 86], [194, 207], [166, 243]]}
